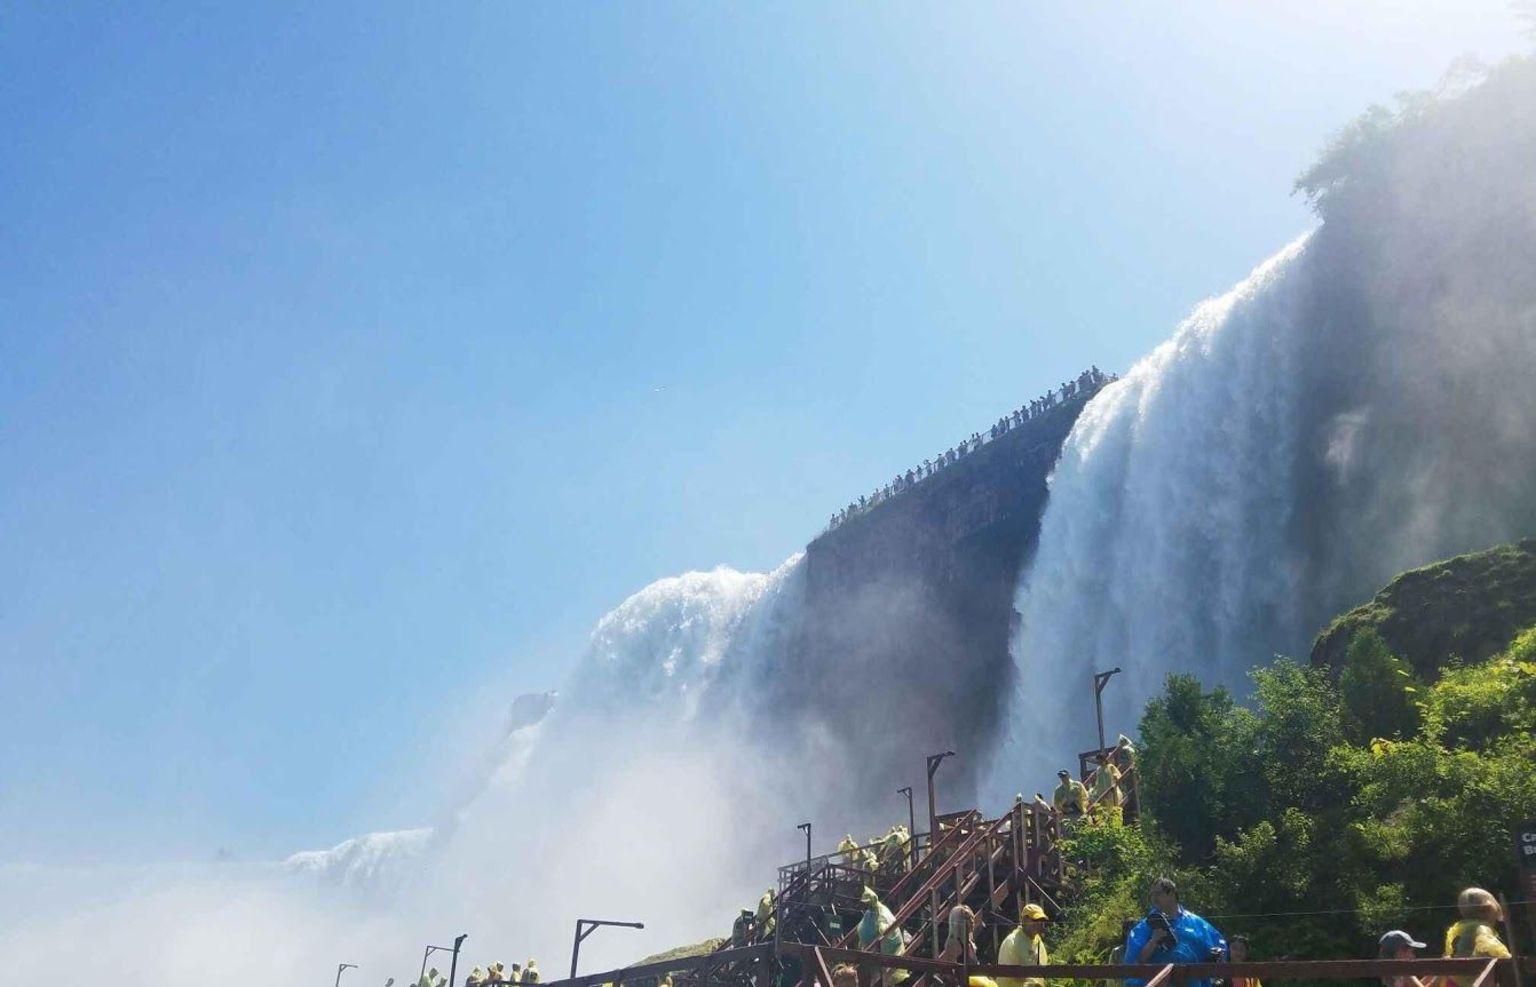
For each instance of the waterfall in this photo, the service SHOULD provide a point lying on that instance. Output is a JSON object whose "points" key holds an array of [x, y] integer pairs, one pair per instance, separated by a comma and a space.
{"points": [[1361, 404], [1164, 544]]}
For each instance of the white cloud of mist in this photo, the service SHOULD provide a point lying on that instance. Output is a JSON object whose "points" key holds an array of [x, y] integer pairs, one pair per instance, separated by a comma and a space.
{"points": [[624, 803]]}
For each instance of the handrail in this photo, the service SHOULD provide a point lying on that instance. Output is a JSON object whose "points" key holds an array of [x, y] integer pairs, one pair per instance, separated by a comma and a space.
{"points": [[942, 873], [821, 860], [954, 833], [1280, 969], [626, 974], [895, 892], [821, 965], [1482, 978], [1085, 385], [1093, 800]]}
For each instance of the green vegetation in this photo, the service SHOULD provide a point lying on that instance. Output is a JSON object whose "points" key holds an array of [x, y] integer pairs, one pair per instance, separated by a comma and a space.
{"points": [[1330, 811], [682, 952], [1360, 165], [1468, 607]]}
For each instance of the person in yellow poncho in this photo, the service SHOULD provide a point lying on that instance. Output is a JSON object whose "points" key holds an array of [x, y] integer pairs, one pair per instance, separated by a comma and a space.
{"points": [[1024, 946], [1475, 934], [765, 916], [961, 946], [1070, 797], [1106, 791], [879, 923]]}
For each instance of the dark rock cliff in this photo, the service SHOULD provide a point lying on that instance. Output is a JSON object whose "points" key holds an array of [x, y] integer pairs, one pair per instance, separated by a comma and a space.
{"points": [[909, 609]]}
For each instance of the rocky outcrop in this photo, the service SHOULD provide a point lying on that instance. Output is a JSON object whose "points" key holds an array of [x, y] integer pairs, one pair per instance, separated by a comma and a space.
{"points": [[1470, 607], [909, 610]]}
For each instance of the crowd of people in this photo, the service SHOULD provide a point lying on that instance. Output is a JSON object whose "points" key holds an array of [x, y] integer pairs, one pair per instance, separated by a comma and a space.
{"points": [[487, 976], [1169, 933], [1104, 798], [1086, 383]]}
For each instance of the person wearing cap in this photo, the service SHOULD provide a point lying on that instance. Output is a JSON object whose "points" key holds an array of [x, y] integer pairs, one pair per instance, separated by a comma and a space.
{"points": [[1399, 945], [1025, 946], [741, 929], [1070, 797], [1170, 933], [1474, 935]]}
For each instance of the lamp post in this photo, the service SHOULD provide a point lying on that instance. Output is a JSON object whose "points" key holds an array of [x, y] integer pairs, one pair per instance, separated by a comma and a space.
{"points": [[585, 927], [934, 760], [1100, 680], [807, 827], [343, 966], [911, 824], [428, 952], [453, 967]]}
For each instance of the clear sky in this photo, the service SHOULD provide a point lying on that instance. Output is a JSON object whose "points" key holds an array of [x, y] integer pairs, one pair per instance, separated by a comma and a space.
{"points": [[356, 357]]}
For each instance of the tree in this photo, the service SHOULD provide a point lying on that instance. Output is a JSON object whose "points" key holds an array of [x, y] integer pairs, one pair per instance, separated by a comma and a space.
{"points": [[1378, 691], [1198, 766]]}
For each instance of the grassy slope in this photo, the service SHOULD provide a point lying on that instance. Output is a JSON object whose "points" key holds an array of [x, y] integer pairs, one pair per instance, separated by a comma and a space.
{"points": [[1470, 606]]}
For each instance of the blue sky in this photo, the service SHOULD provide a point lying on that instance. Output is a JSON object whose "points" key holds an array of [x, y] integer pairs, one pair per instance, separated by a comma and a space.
{"points": [[355, 357]]}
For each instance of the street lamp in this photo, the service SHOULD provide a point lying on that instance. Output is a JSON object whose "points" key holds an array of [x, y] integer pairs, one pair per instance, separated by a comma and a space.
{"points": [[343, 966], [807, 827], [591, 927], [453, 968], [1100, 680], [934, 760], [428, 952], [911, 824]]}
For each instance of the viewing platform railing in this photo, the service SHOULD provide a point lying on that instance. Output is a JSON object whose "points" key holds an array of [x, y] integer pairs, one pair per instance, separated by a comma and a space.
{"points": [[753, 964]]}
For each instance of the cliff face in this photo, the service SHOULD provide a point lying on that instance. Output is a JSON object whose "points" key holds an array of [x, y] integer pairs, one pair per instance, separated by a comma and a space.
{"points": [[1471, 606], [909, 609]]}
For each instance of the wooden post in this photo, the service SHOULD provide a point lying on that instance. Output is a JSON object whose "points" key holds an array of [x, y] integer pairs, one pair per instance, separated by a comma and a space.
{"points": [[1509, 935]]}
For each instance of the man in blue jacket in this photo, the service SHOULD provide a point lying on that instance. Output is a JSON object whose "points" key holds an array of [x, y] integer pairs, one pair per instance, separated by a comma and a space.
{"points": [[1172, 934]]}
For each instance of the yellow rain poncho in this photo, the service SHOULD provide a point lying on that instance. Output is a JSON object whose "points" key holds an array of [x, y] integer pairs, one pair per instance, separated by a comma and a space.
{"points": [[1106, 786], [1023, 948], [894, 849], [1470, 937], [879, 923], [765, 917], [1070, 797]]}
